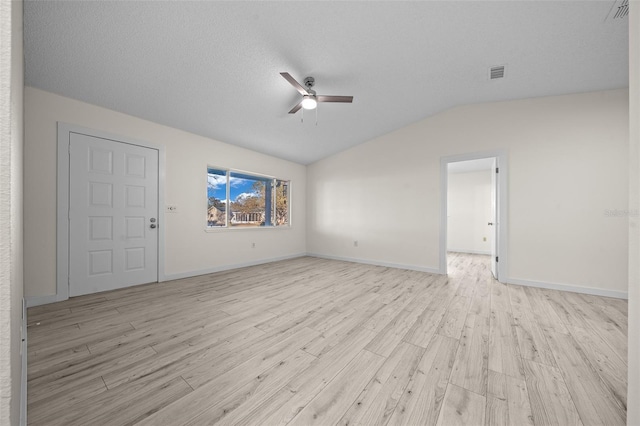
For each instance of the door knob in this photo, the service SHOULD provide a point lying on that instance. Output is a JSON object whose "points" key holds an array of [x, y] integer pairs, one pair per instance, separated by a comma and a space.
{"points": [[490, 223], [152, 226]]}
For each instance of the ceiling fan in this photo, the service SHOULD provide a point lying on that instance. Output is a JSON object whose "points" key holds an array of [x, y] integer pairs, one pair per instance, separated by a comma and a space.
{"points": [[309, 98]]}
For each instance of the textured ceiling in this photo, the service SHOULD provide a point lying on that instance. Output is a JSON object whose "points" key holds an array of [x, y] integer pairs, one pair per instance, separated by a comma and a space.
{"points": [[212, 68]]}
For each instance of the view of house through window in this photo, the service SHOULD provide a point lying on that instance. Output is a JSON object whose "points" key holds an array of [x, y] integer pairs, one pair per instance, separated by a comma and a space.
{"points": [[243, 200]]}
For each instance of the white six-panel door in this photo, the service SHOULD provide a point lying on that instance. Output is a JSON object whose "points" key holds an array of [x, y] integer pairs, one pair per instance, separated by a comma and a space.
{"points": [[113, 211]]}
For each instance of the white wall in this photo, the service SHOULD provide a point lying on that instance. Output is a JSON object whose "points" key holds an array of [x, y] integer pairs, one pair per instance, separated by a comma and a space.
{"points": [[633, 393], [189, 250], [568, 165], [11, 140], [469, 212]]}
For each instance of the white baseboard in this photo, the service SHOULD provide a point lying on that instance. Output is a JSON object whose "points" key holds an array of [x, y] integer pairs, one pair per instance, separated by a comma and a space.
{"points": [[180, 275], [376, 263], [469, 251], [32, 301], [572, 288]]}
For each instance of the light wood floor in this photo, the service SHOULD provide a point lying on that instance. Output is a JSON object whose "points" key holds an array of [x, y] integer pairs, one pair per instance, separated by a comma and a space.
{"points": [[312, 341]]}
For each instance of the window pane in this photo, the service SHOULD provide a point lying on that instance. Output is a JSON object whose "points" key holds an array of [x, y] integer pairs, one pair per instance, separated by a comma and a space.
{"points": [[250, 200], [282, 203], [217, 196]]}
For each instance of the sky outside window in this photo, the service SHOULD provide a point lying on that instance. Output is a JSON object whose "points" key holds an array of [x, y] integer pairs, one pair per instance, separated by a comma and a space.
{"points": [[239, 187]]}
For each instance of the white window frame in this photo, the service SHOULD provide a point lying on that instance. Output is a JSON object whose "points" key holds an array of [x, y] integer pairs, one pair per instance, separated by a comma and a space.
{"points": [[257, 176]]}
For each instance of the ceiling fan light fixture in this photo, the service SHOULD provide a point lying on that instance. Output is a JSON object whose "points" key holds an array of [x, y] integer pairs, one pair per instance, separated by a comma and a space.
{"points": [[309, 102]]}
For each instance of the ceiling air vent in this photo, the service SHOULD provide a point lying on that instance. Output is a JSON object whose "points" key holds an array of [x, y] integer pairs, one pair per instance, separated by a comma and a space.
{"points": [[623, 10], [496, 72], [619, 9]]}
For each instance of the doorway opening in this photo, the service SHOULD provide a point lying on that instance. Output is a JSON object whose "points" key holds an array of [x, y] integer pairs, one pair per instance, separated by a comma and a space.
{"points": [[473, 208]]}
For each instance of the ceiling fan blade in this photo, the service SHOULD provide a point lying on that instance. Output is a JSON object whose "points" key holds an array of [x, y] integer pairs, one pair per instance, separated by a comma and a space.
{"points": [[296, 108], [294, 83], [324, 98]]}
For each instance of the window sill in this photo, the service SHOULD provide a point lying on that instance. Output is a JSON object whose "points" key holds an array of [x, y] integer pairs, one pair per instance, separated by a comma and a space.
{"points": [[247, 228]]}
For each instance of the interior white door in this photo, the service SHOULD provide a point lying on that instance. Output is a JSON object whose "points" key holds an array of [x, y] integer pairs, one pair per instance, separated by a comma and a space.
{"points": [[113, 211], [494, 218]]}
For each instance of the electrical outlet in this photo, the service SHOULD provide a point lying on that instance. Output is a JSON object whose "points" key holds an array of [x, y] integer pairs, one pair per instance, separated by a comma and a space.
{"points": [[172, 209]]}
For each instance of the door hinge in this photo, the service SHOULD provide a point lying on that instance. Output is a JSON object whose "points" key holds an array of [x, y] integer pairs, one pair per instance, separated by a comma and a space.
{"points": [[496, 258]]}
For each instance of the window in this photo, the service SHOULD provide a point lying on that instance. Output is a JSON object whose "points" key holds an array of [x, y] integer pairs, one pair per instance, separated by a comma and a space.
{"points": [[241, 200]]}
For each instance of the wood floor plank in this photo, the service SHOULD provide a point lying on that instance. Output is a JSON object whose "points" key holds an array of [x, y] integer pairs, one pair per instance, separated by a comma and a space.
{"points": [[461, 407], [126, 412], [99, 314], [336, 398], [333, 336], [422, 399], [481, 303], [390, 336], [256, 392], [282, 407], [514, 398], [207, 334], [46, 408], [470, 369], [180, 361], [551, 402], [378, 400], [607, 363], [518, 297], [58, 360], [518, 403], [593, 399], [224, 385], [531, 340], [50, 312], [160, 335], [568, 313], [496, 412], [425, 327], [454, 318], [496, 385], [500, 297], [75, 375], [504, 354], [385, 315], [611, 333], [545, 315], [203, 372], [73, 336]]}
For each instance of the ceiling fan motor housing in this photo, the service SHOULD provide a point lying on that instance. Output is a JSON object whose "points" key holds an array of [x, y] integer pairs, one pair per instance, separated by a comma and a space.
{"points": [[309, 82]]}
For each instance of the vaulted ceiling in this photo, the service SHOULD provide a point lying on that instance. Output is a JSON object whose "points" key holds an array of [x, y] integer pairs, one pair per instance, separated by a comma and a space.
{"points": [[212, 68]]}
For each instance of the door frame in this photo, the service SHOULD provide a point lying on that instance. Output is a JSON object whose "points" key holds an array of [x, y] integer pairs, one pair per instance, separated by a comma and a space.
{"points": [[501, 200], [62, 200]]}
